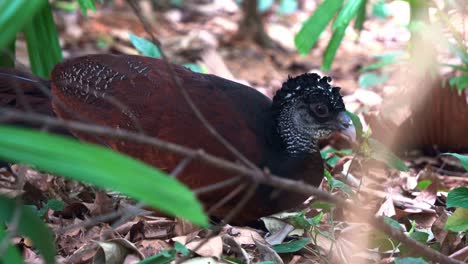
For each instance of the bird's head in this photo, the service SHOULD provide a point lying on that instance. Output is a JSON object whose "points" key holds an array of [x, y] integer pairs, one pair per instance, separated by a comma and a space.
{"points": [[306, 109]]}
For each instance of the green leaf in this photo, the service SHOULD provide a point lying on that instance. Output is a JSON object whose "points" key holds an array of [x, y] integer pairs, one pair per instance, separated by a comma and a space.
{"points": [[382, 153], [384, 60], [458, 198], [371, 79], [55, 205], [11, 254], [410, 261], [145, 46], [14, 15], [102, 167], [315, 25], [460, 82], [29, 225], [195, 67], [356, 123], [332, 47], [346, 14], [7, 55], [380, 9], [419, 236], [393, 223], [41, 35], [292, 246], [422, 185], [462, 158], [458, 221], [288, 6], [263, 5], [86, 5], [361, 16], [181, 248]]}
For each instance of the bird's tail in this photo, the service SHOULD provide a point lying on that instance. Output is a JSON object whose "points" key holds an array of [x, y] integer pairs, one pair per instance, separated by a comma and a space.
{"points": [[21, 90]]}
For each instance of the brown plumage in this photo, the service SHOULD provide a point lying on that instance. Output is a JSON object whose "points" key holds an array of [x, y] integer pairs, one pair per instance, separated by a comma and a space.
{"points": [[137, 93]]}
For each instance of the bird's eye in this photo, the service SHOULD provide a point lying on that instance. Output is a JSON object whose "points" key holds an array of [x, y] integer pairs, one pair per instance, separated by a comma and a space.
{"points": [[320, 110]]}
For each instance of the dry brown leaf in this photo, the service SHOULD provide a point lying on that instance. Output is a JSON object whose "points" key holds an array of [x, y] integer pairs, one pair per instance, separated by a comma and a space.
{"points": [[212, 248]]}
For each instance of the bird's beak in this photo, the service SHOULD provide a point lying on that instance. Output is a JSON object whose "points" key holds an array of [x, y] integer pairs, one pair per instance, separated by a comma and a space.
{"points": [[346, 126]]}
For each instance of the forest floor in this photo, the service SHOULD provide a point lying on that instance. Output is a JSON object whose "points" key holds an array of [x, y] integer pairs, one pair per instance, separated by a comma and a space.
{"points": [[206, 35]]}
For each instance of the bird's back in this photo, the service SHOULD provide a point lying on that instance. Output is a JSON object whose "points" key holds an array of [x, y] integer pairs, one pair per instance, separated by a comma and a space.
{"points": [[137, 93]]}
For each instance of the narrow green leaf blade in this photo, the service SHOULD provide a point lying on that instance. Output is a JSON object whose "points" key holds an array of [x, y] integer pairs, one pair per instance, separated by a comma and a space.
{"points": [[41, 35], [14, 15], [315, 25], [292, 246], [357, 124], [458, 198], [346, 14], [361, 16], [332, 47], [101, 167], [31, 226]]}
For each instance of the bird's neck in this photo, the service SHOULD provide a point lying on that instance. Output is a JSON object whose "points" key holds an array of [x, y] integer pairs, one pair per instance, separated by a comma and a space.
{"points": [[290, 139]]}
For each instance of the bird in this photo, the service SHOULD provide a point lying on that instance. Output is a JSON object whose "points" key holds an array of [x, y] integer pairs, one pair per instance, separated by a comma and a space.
{"points": [[137, 93]]}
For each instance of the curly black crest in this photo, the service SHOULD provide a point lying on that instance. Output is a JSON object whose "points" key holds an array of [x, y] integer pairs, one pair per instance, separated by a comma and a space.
{"points": [[311, 87]]}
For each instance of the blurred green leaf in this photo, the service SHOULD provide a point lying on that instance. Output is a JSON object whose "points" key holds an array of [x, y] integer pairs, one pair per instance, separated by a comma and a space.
{"points": [[371, 79], [384, 60], [263, 5], [14, 15], [288, 6], [361, 16], [460, 82], [458, 221], [66, 6], [458, 198], [393, 223], [380, 9], [419, 236], [53, 153], [11, 254], [410, 261], [29, 225], [292, 246], [332, 47], [315, 25], [145, 46], [195, 67], [422, 185], [41, 35], [55, 205], [337, 184], [332, 155], [356, 123], [7, 55], [86, 5], [181, 248], [347, 13], [460, 52], [462, 158], [382, 153]]}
